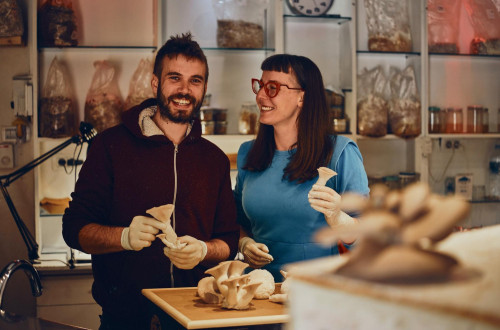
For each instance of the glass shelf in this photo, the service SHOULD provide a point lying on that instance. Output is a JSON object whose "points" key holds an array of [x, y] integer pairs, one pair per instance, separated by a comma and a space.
{"points": [[239, 49], [304, 18], [466, 55], [385, 137], [70, 48], [465, 136], [365, 52]]}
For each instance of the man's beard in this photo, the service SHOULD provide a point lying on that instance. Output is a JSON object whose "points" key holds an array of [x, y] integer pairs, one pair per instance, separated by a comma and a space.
{"points": [[181, 117]]}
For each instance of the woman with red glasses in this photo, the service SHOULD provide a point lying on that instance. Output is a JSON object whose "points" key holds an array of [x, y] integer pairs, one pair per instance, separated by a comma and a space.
{"points": [[279, 206]]}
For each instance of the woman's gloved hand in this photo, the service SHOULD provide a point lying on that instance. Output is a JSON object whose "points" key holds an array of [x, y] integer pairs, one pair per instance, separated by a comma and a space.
{"points": [[327, 201], [141, 233], [190, 255], [255, 254]]}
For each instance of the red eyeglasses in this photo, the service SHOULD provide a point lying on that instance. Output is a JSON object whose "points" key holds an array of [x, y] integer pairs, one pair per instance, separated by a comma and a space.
{"points": [[271, 88]]}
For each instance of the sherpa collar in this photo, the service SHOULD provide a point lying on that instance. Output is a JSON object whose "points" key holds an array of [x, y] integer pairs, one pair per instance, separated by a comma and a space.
{"points": [[147, 124]]}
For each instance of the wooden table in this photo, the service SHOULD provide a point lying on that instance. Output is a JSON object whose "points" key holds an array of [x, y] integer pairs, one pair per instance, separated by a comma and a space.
{"points": [[191, 312]]}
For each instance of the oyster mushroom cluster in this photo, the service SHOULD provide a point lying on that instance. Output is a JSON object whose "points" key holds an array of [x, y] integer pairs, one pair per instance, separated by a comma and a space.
{"points": [[397, 232], [228, 287]]}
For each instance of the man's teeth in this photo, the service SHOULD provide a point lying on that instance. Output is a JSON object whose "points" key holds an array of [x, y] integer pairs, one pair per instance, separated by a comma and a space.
{"points": [[182, 101], [263, 108]]}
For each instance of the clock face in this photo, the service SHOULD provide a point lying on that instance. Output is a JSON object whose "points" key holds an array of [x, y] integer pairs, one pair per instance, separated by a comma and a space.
{"points": [[309, 7]]}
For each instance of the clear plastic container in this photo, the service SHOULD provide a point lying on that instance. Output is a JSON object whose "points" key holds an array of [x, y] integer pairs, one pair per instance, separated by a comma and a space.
{"points": [[248, 122], [435, 120], [454, 120], [220, 127], [474, 119], [207, 127]]}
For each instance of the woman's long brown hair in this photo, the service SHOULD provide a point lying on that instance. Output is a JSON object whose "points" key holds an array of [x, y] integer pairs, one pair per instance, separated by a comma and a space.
{"points": [[314, 144]]}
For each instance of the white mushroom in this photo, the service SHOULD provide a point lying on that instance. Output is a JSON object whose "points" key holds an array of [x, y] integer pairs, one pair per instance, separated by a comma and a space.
{"points": [[207, 291], [267, 287], [324, 175]]}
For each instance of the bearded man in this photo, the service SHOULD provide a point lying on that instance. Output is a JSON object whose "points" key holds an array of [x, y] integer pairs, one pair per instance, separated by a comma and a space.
{"points": [[156, 156]]}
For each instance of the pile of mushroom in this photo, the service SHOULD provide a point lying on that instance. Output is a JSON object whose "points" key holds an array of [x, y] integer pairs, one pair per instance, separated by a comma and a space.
{"points": [[228, 287], [397, 233]]}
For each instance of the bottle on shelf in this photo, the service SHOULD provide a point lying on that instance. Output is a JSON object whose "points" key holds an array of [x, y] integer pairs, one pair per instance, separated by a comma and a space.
{"points": [[494, 178]]}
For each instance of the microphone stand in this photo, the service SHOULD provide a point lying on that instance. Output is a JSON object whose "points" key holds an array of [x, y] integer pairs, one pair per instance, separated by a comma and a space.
{"points": [[87, 133]]}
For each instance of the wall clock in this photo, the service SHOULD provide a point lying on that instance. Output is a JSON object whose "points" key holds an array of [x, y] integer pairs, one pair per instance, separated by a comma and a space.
{"points": [[309, 7]]}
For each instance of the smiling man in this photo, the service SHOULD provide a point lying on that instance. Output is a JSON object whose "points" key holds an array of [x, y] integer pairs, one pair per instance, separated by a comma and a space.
{"points": [[155, 157]]}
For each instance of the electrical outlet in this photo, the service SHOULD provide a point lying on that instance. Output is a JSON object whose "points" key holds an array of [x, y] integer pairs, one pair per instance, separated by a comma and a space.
{"points": [[452, 144]]}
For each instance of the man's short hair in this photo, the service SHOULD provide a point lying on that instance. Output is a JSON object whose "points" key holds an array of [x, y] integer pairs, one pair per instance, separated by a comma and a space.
{"points": [[180, 45]]}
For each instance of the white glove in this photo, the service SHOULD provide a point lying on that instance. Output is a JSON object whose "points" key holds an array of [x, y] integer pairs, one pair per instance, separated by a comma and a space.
{"points": [[327, 201], [255, 254], [190, 255], [140, 233]]}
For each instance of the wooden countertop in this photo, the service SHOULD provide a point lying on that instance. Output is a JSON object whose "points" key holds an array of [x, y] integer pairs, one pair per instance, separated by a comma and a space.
{"points": [[192, 313], [472, 293]]}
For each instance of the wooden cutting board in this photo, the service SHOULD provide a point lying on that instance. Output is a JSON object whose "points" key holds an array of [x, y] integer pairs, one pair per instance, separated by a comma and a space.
{"points": [[192, 313], [474, 293]]}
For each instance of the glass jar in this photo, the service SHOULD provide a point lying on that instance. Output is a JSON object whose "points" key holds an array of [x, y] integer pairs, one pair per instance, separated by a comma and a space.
{"points": [[474, 119], [207, 127], [407, 178], [486, 121], [392, 181], [454, 120], [220, 127], [248, 122], [442, 117], [434, 120]]}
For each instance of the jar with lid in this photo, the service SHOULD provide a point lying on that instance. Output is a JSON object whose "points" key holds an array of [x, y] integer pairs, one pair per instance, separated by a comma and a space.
{"points": [[407, 178], [486, 121], [454, 120], [474, 119], [248, 121], [434, 120], [392, 181]]}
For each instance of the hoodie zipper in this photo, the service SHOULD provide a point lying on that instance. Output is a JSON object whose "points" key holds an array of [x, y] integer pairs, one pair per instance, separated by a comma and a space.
{"points": [[176, 150]]}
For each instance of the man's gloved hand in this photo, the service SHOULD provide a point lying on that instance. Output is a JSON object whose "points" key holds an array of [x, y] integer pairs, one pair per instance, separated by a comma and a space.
{"points": [[255, 254], [190, 255], [327, 201], [141, 233]]}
